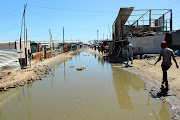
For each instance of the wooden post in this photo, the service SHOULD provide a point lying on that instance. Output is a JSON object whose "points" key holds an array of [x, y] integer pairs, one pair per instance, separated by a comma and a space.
{"points": [[50, 41], [171, 21], [26, 48], [166, 25], [25, 31], [163, 22], [63, 39], [149, 20], [15, 45], [45, 52], [137, 25]]}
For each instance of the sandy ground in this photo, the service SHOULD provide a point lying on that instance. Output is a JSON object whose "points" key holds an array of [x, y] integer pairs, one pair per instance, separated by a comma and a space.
{"points": [[152, 77], [12, 79], [147, 67]]}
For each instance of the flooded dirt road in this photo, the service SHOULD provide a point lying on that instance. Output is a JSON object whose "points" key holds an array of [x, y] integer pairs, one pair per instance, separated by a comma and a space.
{"points": [[100, 92]]}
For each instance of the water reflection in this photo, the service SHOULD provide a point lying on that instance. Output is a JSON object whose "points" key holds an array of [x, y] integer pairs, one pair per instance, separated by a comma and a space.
{"points": [[52, 76], [124, 82], [121, 85], [64, 70], [101, 91], [28, 101], [164, 113]]}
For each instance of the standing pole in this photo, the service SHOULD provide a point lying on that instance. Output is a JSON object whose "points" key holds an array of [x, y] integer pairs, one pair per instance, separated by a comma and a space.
{"points": [[21, 31], [50, 40], [63, 38], [97, 35], [137, 25], [26, 39], [163, 22], [149, 20], [103, 36], [24, 25], [171, 20], [76, 44], [166, 25], [25, 50], [109, 32]]}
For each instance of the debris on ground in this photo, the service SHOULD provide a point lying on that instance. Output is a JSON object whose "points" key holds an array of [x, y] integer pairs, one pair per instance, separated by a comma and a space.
{"points": [[80, 68], [71, 66], [175, 117]]}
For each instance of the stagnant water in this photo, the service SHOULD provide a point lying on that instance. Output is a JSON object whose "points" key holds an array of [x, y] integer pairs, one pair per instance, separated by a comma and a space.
{"points": [[100, 92]]}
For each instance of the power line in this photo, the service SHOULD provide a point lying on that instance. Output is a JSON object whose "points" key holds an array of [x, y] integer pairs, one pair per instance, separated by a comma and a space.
{"points": [[78, 10], [11, 29]]}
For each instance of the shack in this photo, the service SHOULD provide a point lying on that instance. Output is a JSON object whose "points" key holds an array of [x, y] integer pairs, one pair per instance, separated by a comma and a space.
{"points": [[145, 31], [11, 51]]}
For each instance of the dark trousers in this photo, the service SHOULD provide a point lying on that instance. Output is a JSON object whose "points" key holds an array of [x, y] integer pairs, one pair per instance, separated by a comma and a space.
{"points": [[164, 70]]}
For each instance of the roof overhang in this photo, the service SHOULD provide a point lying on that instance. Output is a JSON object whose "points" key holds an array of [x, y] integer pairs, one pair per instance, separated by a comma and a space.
{"points": [[123, 15]]}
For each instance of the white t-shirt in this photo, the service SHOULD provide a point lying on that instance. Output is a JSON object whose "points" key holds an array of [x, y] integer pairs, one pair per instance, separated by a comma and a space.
{"points": [[130, 48], [166, 53]]}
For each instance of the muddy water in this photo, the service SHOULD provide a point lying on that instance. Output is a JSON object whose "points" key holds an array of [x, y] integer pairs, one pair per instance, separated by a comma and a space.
{"points": [[100, 92]]}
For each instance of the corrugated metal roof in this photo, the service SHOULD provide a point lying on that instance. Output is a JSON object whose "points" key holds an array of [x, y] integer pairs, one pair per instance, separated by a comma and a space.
{"points": [[124, 13], [121, 19]]}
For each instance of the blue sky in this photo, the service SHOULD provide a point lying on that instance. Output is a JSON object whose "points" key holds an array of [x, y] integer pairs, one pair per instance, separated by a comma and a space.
{"points": [[80, 18]]}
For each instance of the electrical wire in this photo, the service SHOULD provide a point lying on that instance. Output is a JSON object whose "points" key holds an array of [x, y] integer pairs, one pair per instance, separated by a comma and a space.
{"points": [[10, 29], [72, 9]]}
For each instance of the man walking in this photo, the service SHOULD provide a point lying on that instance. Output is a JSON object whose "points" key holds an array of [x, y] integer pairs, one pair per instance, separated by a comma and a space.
{"points": [[130, 52], [166, 53]]}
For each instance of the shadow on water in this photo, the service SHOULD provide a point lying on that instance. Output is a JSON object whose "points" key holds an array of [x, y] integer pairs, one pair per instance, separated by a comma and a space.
{"points": [[163, 92]]}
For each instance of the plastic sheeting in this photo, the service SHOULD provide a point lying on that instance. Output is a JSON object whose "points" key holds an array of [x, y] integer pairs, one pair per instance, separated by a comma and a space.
{"points": [[9, 59]]}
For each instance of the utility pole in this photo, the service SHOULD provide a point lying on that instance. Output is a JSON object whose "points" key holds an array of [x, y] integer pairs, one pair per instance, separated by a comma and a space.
{"points": [[76, 44], [103, 36], [109, 32], [63, 38], [25, 50], [23, 18], [97, 35], [171, 20], [50, 40], [24, 25], [149, 20]]}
